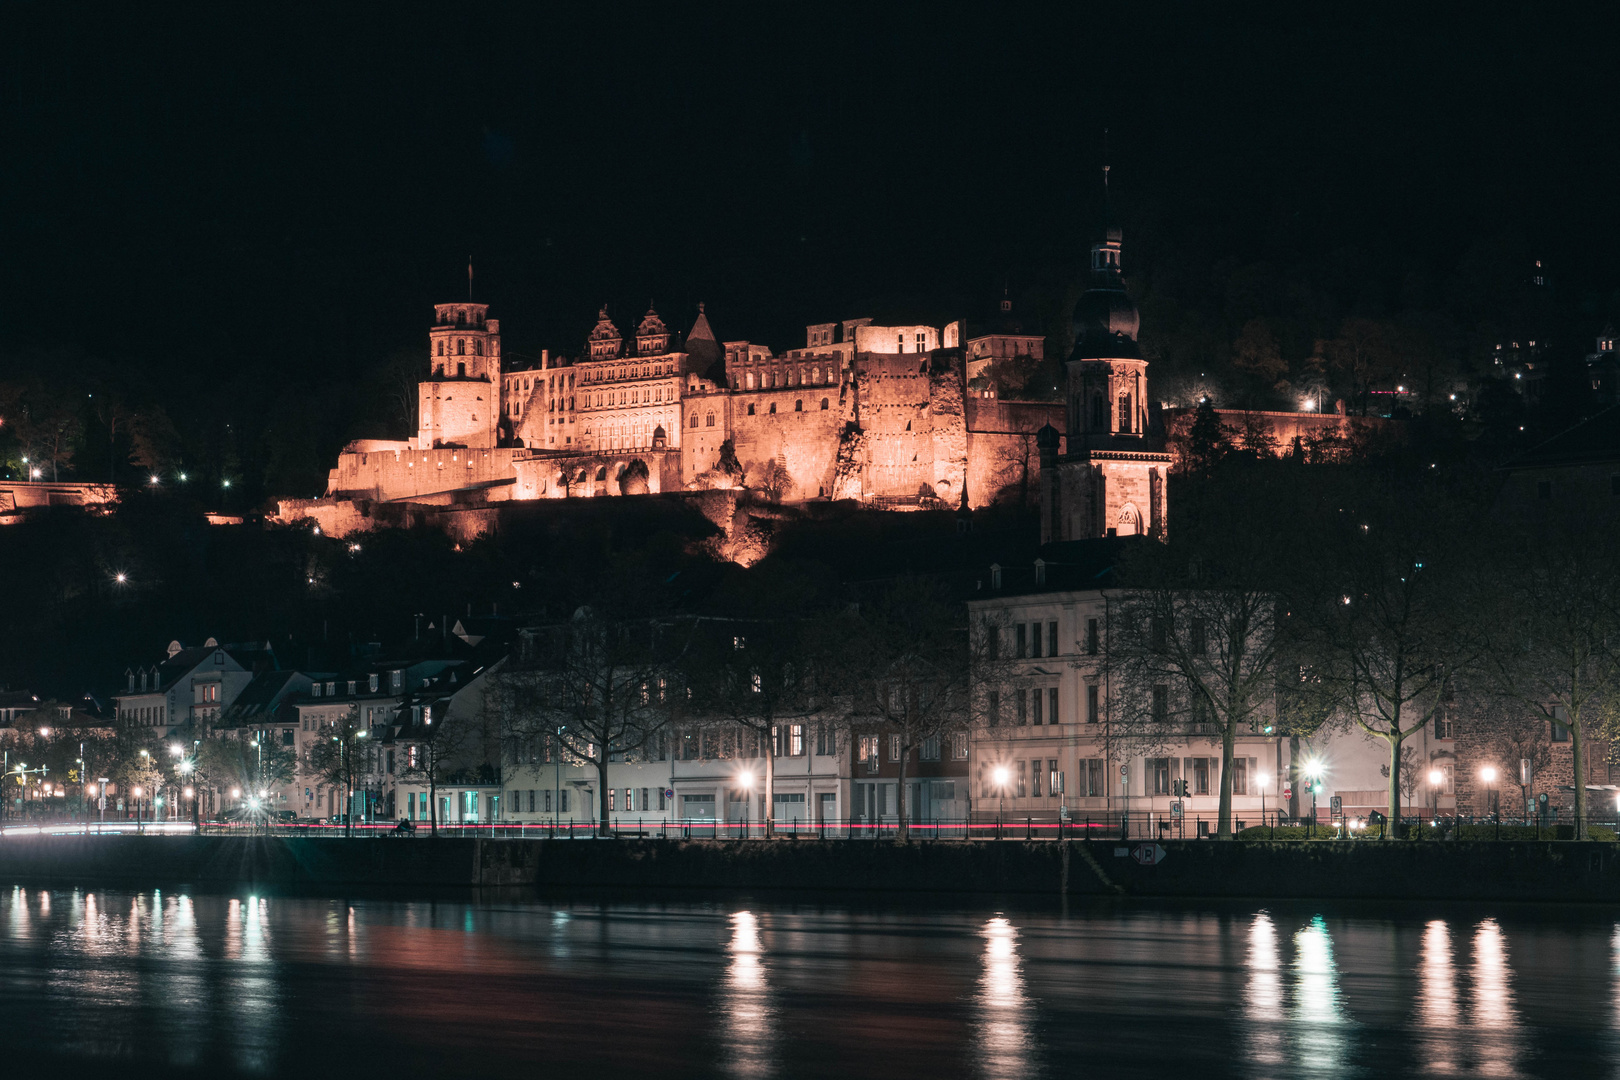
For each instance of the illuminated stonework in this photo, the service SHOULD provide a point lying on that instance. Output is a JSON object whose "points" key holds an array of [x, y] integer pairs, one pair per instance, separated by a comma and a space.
{"points": [[877, 414]]}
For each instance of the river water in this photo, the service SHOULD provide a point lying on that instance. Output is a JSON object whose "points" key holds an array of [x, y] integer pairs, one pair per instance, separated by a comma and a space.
{"points": [[187, 983]]}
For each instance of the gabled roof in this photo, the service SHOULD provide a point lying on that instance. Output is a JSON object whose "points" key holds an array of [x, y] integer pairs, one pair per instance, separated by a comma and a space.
{"points": [[182, 662], [1068, 566], [1592, 441], [262, 698]]}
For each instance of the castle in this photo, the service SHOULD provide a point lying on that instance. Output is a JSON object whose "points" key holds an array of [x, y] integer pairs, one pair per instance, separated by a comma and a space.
{"points": [[893, 417]]}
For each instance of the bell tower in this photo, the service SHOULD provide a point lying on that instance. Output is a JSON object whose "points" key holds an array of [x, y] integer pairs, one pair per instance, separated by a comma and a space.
{"points": [[460, 399], [1110, 481]]}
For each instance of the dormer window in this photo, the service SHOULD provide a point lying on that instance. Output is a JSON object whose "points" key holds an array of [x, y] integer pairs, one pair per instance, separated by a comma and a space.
{"points": [[331, 689], [374, 683], [315, 690], [351, 687]]}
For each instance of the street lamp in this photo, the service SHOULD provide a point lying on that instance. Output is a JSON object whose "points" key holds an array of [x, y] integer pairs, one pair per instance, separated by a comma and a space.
{"points": [[1436, 778], [1002, 775], [1265, 781], [745, 781], [1313, 776], [1488, 774]]}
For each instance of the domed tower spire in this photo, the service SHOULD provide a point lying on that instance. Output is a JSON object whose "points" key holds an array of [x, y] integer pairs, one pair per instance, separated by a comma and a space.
{"points": [[1111, 479]]}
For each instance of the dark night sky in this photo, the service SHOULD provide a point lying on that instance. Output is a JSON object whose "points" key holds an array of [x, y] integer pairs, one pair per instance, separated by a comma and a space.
{"points": [[201, 190]]}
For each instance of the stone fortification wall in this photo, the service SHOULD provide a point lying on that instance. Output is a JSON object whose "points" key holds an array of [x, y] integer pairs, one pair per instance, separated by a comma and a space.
{"points": [[1003, 463], [402, 472], [1320, 435], [563, 476], [802, 434], [700, 442], [892, 410], [463, 411], [947, 421]]}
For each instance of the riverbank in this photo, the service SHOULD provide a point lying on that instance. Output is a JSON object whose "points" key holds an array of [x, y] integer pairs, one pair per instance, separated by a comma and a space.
{"points": [[1460, 870]]}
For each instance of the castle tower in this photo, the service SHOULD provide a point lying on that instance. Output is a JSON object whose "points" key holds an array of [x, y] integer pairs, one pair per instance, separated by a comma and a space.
{"points": [[1111, 479], [460, 400]]}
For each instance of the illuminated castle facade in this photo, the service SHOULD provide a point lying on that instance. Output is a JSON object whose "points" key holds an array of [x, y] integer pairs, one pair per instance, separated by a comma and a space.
{"points": [[878, 414]]}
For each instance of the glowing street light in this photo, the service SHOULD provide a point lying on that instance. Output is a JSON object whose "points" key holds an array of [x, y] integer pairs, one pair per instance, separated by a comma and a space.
{"points": [[1436, 778], [121, 578], [1488, 774], [45, 732]]}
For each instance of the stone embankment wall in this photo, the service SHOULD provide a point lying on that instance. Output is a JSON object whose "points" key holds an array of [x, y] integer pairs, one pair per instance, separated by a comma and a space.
{"points": [[1361, 870]]}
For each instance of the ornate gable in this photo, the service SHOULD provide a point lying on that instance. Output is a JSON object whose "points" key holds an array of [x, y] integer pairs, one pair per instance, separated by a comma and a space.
{"points": [[606, 343]]}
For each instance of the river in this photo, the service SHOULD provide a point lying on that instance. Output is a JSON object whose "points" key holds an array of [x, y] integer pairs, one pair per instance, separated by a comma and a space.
{"points": [[186, 983]]}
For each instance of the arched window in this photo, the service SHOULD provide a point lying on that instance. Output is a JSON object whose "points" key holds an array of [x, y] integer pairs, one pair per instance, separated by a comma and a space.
{"points": [[1125, 413], [798, 406], [750, 409], [461, 346], [773, 407], [1098, 419], [748, 381], [694, 421], [708, 420], [1130, 521], [478, 347], [824, 404]]}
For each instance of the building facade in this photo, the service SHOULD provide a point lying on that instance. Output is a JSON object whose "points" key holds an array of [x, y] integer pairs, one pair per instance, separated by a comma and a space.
{"points": [[873, 413]]}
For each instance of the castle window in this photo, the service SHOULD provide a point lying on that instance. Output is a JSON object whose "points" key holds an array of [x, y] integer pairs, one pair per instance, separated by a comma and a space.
{"points": [[461, 346], [750, 410], [570, 406], [694, 421], [920, 341], [1098, 420], [900, 342], [708, 420], [798, 406], [478, 347], [773, 407], [441, 348], [461, 369], [1125, 413], [823, 404]]}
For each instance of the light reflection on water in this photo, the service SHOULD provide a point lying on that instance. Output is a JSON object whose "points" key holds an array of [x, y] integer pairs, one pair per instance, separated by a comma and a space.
{"points": [[232, 985], [1006, 1049]]}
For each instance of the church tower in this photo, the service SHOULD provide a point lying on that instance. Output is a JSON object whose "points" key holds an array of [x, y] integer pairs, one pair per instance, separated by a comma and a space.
{"points": [[460, 401], [1110, 480]]}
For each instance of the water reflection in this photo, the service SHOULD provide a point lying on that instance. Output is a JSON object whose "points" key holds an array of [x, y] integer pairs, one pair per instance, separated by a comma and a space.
{"points": [[1493, 1017], [1263, 999], [231, 985], [1319, 1019], [1438, 1043], [745, 1005], [1005, 1043]]}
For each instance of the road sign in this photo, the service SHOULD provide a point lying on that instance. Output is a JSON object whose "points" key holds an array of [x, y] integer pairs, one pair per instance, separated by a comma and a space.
{"points": [[101, 803], [1148, 854], [669, 793], [1175, 809], [1288, 792], [1336, 807]]}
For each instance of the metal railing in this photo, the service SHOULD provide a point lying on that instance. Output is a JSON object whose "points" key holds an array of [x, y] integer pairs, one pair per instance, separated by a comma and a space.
{"points": [[1117, 826]]}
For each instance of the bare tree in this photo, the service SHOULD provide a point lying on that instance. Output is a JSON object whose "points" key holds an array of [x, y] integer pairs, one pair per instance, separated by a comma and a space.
{"points": [[600, 685], [1386, 624], [1550, 643], [763, 676], [333, 759], [911, 667]]}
